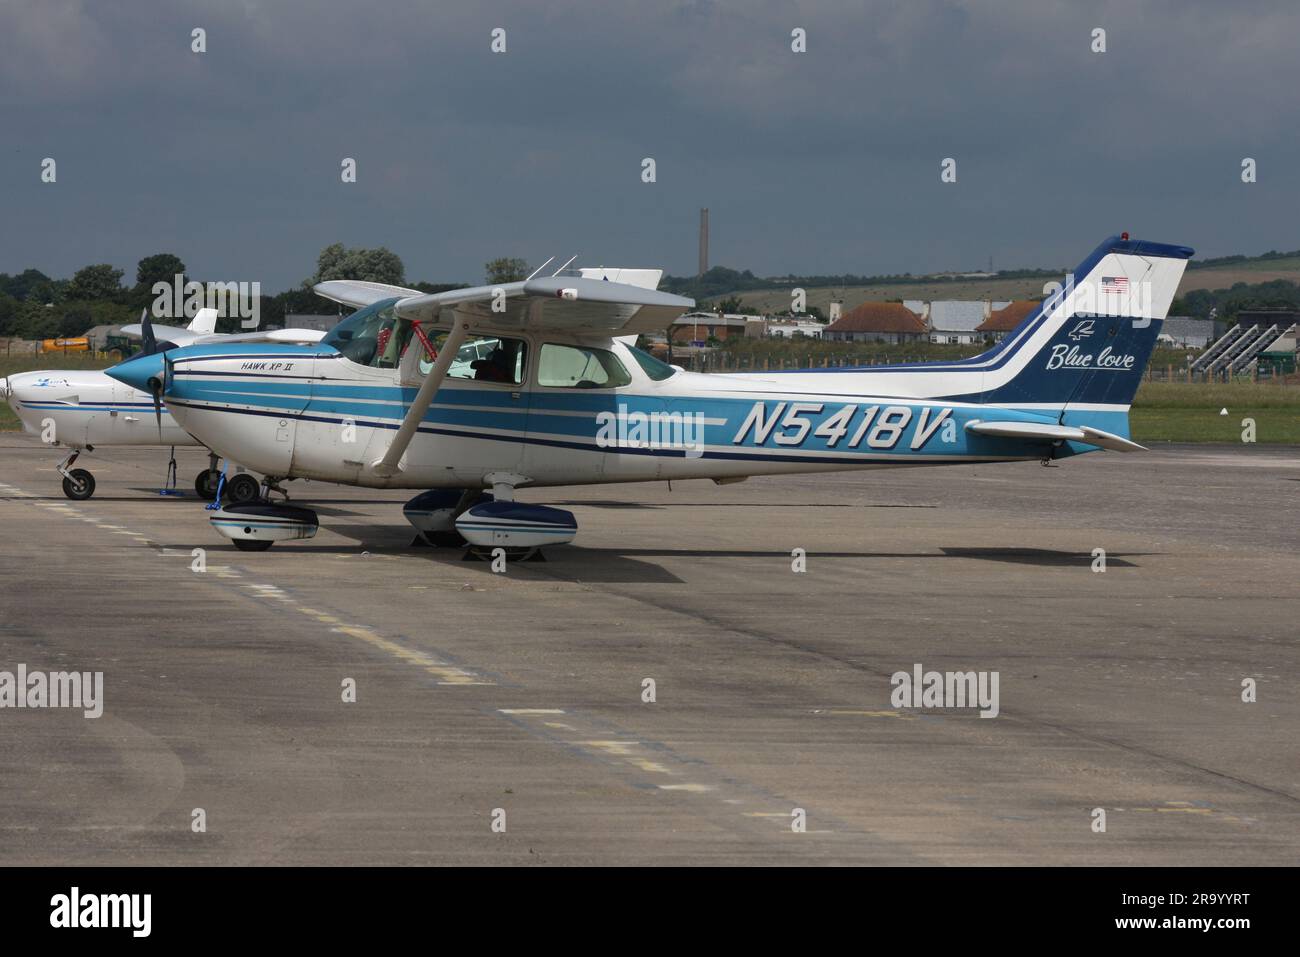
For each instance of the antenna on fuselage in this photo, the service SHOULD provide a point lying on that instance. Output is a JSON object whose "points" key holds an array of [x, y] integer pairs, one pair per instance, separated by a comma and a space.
{"points": [[539, 268]]}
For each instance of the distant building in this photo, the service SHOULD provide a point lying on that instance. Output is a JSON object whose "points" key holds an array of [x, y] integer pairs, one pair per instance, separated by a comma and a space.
{"points": [[1002, 320], [304, 320], [953, 321], [703, 326], [792, 328], [878, 322], [1184, 332]]}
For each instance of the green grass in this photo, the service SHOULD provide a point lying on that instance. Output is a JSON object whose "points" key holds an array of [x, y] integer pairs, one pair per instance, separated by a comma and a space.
{"points": [[1178, 412], [35, 363], [52, 360]]}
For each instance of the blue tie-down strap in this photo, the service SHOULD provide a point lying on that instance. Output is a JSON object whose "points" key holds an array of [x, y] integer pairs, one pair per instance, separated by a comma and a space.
{"points": [[221, 484], [170, 488]]}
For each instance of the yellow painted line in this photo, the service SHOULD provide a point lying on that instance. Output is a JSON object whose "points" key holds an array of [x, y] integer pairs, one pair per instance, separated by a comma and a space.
{"points": [[875, 714], [559, 724], [1176, 810], [621, 748], [692, 788], [447, 674], [318, 615], [647, 765]]}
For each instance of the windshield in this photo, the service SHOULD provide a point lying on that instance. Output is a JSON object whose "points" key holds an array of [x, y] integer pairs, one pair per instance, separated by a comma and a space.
{"points": [[366, 337]]}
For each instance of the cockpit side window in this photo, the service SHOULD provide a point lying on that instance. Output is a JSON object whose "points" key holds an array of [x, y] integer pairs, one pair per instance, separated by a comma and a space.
{"points": [[654, 368], [579, 367], [488, 359]]}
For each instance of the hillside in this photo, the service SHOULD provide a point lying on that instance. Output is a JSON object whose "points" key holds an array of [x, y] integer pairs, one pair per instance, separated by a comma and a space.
{"points": [[1209, 277]]}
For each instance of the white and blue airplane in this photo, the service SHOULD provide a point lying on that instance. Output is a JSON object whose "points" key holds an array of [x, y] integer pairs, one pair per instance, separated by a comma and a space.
{"points": [[386, 399], [81, 409]]}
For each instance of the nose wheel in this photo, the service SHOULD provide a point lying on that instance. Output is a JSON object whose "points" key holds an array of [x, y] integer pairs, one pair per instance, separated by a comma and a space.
{"points": [[78, 485]]}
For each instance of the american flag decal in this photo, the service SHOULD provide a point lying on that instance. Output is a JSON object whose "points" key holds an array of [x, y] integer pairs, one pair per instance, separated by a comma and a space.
{"points": [[1118, 284]]}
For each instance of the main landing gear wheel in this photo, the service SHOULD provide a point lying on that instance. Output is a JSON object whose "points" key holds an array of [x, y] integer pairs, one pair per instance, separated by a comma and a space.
{"points": [[79, 485], [242, 489], [205, 483], [252, 544]]}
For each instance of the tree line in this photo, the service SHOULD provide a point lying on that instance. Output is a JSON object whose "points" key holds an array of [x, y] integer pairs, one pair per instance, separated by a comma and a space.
{"points": [[36, 306]]}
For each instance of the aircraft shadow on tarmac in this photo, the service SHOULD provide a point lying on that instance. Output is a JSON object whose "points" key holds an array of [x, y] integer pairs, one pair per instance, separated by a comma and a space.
{"points": [[638, 565], [611, 503]]}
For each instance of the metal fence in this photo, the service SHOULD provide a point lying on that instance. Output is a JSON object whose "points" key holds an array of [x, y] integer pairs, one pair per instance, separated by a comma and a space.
{"points": [[723, 362]]}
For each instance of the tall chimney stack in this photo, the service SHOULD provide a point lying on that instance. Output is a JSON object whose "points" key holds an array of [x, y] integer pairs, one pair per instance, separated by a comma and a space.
{"points": [[704, 240]]}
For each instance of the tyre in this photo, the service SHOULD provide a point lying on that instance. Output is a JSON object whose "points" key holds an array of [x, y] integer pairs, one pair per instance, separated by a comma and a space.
{"points": [[79, 485], [205, 484], [252, 544], [242, 489]]}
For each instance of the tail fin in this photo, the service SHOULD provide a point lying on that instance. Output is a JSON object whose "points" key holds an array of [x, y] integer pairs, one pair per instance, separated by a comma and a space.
{"points": [[645, 278], [204, 322], [1089, 343]]}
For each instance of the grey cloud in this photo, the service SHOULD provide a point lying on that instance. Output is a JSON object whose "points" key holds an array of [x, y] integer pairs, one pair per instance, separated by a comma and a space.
{"points": [[827, 161]]}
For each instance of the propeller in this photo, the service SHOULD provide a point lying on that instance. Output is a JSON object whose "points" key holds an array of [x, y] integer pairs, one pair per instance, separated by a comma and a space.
{"points": [[156, 390], [148, 341], [150, 346]]}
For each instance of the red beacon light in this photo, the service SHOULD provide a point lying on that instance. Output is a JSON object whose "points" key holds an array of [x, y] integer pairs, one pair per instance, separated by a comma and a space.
{"points": [[1124, 236]]}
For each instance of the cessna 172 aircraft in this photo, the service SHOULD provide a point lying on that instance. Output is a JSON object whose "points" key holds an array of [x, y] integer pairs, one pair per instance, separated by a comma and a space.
{"points": [[81, 409], [385, 401]]}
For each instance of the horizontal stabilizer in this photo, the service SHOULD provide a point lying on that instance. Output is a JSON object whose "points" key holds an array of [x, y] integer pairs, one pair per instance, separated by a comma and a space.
{"points": [[1028, 430], [1109, 440], [1050, 432]]}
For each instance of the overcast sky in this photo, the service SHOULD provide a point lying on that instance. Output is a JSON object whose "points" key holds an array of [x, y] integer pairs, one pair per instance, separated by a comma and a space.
{"points": [[822, 162]]}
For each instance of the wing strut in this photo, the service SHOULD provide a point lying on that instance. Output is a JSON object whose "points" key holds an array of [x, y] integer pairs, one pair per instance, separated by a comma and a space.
{"points": [[388, 465]]}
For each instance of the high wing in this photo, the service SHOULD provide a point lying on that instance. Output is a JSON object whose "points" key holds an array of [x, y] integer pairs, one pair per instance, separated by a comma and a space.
{"points": [[568, 304], [306, 336], [358, 293], [602, 301], [187, 337]]}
